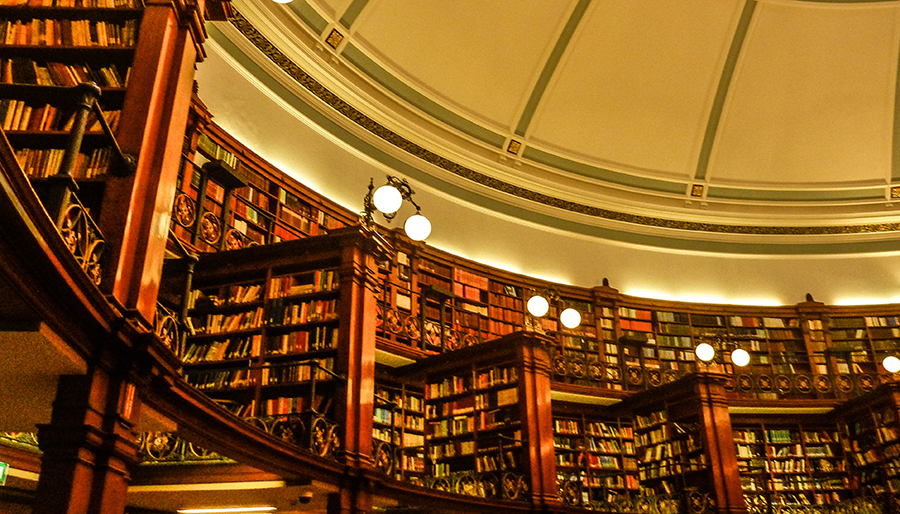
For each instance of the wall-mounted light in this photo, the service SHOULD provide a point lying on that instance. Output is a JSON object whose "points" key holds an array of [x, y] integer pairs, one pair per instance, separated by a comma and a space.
{"points": [[740, 357], [387, 200], [538, 306], [891, 363], [570, 318], [705, 352]]}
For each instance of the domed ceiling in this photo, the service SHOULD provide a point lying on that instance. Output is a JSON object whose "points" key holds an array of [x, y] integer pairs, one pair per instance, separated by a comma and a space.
{"points": [[723, 150]]}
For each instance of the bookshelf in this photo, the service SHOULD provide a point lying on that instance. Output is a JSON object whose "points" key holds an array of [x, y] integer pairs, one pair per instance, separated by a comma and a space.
{"points": [[273, 336], [49, 49], [872, 439], [399, 422], [264, 207], [595, 459], [791, 464]]}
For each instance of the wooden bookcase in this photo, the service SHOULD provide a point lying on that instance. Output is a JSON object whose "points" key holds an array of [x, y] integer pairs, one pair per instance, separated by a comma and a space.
{"points": [[48, 50], [791, 464], [277, 330], [399, 430], [871, 438], [595, 457]]}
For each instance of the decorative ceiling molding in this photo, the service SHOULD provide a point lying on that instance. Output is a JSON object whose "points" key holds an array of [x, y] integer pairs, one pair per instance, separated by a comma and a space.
{"points": [[350, 113]]}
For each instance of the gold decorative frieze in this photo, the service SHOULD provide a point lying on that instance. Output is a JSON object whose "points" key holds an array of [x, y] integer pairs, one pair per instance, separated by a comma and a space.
{"points": [[390, 137]]}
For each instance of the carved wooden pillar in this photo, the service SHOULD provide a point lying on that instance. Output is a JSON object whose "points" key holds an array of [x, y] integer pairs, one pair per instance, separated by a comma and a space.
{"points": [[135, 214], [716, 424], [88, 446], [537, 421], [358, 275]]}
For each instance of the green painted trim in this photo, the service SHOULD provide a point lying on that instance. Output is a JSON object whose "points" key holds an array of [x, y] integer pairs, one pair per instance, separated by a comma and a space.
{"points": [[550, 66], [362, 62], [309, 16], [806, 195], [715, 115], [603, 174], [790, 247], [352, 12]]}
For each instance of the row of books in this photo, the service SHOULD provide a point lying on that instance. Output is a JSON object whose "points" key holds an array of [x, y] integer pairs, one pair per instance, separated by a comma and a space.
{"points": [[218, 323], [22, 70], [301, 341], [496, 399], [103, 4], [46, 162], [304, 283], [451, 449], [18, 115], [303, 312], [232, 348], [294, 373], [495, 376], [219, 379], [66, 32]]}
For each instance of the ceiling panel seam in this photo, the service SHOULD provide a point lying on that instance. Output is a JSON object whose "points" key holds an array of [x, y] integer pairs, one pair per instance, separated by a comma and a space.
{"points": [[715, 114]]}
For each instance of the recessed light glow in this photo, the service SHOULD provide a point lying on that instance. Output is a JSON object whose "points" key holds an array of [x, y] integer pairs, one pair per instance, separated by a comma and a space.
{"points": [[538, 306], [740, 357], [226, 510]]}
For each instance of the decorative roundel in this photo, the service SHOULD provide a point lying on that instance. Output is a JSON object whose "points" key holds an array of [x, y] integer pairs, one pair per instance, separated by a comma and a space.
{"points": [[596, 371], [866, 382], [642, 504], [234, 240], [453, 340], [614, 374], [210, 228], [577, 368], [745, 382], [379, 315], [393, 321], [783, 383], [843, 383], [671, 375], [667, 505], [803, 383], [559, 365], [696, 502], [470, 340], [432, 333], [183, 210], [764, 383], [654, 377], [411, 326], [822, 383], [635, 375], [730, 383]]}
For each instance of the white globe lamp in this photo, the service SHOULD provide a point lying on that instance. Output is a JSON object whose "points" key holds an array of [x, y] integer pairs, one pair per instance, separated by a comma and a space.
{"points": [[538, 306], [570, 318], [417, 227], [705, 352], [891, 364], [740, 357], [387, 199]]}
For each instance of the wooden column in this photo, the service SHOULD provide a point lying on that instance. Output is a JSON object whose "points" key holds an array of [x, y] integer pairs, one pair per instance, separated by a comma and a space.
{"points": [[537, 420], [88, 446], [358, 276], [719, 439], [135, 214]]}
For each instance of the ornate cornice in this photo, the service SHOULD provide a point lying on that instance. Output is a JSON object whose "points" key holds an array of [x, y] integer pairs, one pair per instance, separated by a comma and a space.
{"points": [[352, 114]]}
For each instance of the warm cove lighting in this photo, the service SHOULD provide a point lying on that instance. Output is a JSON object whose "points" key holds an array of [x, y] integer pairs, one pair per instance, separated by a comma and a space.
{"points": [[697, 298], [226, 510]]}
